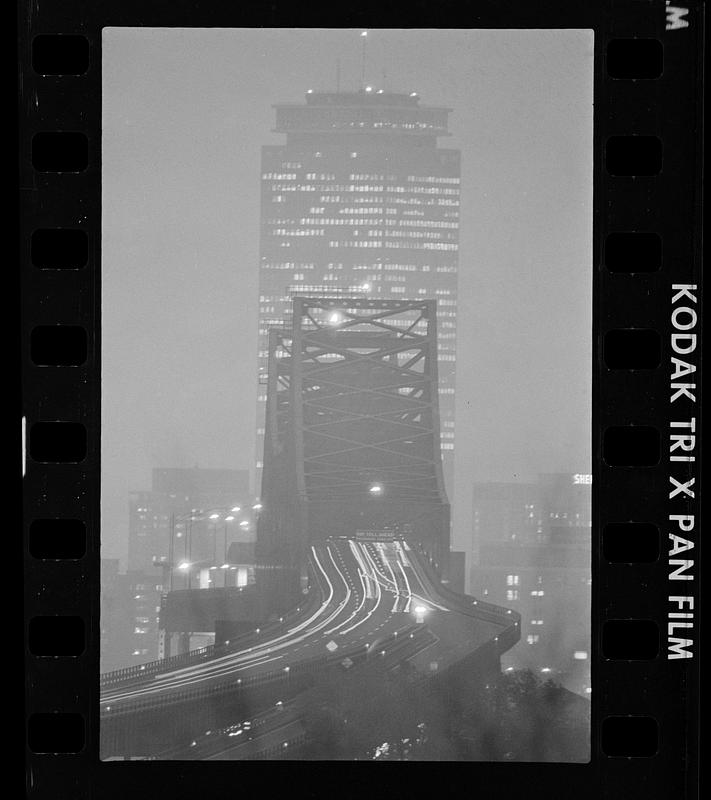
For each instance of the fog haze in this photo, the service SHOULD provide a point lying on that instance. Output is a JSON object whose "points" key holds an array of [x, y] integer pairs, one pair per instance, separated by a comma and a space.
{"points": [[185, 114]]}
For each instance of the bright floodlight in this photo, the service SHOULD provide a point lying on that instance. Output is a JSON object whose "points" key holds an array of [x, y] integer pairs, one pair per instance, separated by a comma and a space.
{"points": [[236, 509], [184, 565], [376, 489], [365, 33], [335, 318], [420, 609], [257, 506], [366, 287], [229, 519], [214, 516], [244, 523], [225, 566], [368, 88]]}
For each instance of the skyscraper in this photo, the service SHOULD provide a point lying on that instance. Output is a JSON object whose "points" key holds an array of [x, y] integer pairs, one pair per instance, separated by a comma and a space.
{"points": [[360, 199]]}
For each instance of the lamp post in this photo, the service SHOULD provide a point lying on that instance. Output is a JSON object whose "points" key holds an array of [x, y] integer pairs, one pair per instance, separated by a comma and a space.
{"points": [[225, 565], [214, 517]]}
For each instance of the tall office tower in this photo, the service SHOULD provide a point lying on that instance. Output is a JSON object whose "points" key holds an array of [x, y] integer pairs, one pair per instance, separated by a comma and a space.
{"points": [[361, 200]]}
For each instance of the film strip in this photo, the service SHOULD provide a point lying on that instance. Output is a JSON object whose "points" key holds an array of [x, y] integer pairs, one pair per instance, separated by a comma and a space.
{"points": [[646, 390]]}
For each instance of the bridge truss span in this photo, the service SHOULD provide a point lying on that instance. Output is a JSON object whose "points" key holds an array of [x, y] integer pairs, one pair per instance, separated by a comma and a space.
{"points": [[352, 428]]}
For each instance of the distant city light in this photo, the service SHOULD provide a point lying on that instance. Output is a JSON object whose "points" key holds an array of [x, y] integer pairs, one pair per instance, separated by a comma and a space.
{"points": [[229, 519], [545, 669], [236, 509], [257, 506], [413, 94], [214, 516], [364, 33], [244, 523], [309, 91], [376, 489], [368, 88]]}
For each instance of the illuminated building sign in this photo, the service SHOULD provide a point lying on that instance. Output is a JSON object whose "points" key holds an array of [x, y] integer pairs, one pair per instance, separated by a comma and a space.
{"points": [[582, 479]]}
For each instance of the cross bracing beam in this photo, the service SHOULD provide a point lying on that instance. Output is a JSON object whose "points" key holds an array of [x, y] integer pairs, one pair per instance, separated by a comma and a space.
{"points": [[352, 429]]}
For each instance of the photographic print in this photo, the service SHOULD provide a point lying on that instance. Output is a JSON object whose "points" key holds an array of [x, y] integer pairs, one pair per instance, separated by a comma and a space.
{"points": [[346, 394]]}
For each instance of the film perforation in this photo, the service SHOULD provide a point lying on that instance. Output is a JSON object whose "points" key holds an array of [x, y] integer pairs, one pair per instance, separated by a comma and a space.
{"points": [[631, 542], [59, 248], [633, 251], [57, 539], [632, 736], [645, 230], [632, 349], [635, 59], [637, 155], [630, 639], [60, 151], [57, 636], [60, 54], [58, 346]]}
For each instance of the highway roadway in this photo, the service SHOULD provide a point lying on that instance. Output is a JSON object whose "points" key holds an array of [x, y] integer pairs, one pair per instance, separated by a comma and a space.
{"points": [[369, 592]]}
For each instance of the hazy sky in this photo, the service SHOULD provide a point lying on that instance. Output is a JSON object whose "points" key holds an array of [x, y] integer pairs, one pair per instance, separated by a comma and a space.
{"points": [[185, 114]]}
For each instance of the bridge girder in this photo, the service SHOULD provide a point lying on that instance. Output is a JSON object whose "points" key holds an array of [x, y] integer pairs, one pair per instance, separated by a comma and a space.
{"points": [[352, 435]]}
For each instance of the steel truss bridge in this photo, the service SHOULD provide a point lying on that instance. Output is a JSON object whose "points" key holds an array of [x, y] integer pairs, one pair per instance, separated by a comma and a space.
{"points": [[354, 535]]}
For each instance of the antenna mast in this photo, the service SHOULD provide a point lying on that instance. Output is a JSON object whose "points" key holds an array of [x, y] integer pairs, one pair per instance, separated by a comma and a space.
{"points": [[364, 40]]}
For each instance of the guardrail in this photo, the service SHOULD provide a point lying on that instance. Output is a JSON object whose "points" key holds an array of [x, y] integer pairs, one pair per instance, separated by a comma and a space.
{"points": [[139, 672], [471, 606], [230, 684]]}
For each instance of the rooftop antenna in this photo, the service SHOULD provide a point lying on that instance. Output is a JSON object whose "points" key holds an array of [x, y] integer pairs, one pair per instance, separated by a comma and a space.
{"points": [[364, 40]]}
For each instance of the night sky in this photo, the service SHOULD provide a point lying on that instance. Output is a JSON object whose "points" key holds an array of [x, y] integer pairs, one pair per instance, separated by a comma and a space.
{"points": [[185, 115]]}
